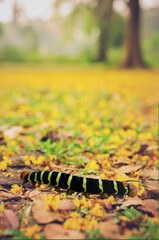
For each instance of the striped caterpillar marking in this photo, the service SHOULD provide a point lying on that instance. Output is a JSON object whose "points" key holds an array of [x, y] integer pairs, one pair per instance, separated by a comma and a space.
{"points": [[79, 184]]}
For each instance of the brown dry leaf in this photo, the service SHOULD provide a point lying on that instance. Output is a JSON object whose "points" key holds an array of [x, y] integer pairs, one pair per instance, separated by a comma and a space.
{"points": [[150, 205], [110, 230], [121, 162], [53, 135], [68, 134], [57, 135], [142, 149], [150, 194], [4, 222], [43, 216], [149, 173], [103, 203], [9, 219], [12, 218], [7, 195], [151, 190], [15, 203], [13, 131], [100, 201], [56, 231], [108, 205], [109, 216], [135, 223], [152, 185], [132, 202], [35, 194], [79, 140], [151, 148], [66, 205], [125, 127], [128, 169]]}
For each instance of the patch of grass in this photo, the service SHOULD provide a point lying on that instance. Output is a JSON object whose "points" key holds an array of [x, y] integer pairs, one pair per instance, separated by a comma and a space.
{"points": [[95, 234], [14, 233], [131, 213], [87, 171]]}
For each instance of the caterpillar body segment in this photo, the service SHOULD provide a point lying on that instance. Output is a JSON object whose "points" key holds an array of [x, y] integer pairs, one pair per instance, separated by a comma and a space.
{"points": [[79, 184]]}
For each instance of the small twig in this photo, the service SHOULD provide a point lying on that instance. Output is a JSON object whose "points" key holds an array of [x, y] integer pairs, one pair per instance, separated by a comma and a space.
{"points": [[11, 193], [11, 198]]}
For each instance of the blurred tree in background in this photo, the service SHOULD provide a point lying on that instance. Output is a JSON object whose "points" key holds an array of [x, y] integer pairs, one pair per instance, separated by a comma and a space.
{"points": [[97, 15], [103, 12], [17, 39], [83, 31], [133, 48]]}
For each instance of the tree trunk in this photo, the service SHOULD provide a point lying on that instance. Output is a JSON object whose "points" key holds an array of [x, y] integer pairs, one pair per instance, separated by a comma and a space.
{"points": [[103, 12], [133, 51], [102, 44]]}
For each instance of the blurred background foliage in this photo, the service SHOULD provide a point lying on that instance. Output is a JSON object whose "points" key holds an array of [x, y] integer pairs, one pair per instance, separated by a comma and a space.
{"points": [[76, 36]]}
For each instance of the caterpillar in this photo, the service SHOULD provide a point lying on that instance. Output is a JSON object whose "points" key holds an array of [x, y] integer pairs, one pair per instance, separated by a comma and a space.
{"points": [[79, 184]]}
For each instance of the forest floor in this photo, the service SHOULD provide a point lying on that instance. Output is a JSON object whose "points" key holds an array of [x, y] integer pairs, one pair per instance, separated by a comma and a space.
{"points": [[89, 122]]}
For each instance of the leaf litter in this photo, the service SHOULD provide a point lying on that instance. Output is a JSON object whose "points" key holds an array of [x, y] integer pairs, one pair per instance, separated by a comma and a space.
{"points": [[76, 129]]}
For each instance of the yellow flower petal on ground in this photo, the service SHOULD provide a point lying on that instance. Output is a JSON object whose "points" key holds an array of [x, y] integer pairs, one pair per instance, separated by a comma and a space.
{"points": [[111, 200], [3, 166], [72, 223], [123, 218], [77, 203], [16, 189], [92, 142], [1, 208], [89, 132], [5, 163], [116, 139], [46, 168], [145, 136], [32, 232], [80, 224], [145, 158], [74, 215], [52, 202], [51, 157], [102, 176], [97, 122], [9, 175], [155, 220], [83, 203], [97, 210], [106, 131], [92, 165], [106, 164]]}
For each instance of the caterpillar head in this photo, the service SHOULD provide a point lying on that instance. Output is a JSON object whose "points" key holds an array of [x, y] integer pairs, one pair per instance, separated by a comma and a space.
{"points": [[133, 190], [23, 174]]}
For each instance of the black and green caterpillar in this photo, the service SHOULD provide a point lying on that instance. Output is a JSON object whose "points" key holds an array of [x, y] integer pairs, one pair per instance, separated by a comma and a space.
{"points": [[79, 184]]}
